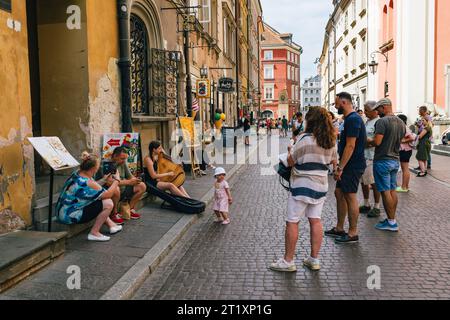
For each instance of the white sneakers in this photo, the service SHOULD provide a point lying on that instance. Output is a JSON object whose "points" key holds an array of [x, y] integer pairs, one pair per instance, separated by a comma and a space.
{"points": [[104, 238], [283, 266]]}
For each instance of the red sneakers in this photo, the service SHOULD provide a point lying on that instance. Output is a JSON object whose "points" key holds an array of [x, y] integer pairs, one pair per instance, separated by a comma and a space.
{"points": [[134, 215], [117, 219]]}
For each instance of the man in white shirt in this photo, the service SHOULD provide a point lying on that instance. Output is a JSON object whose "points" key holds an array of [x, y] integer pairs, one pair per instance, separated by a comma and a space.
{"points": [[368, 179]]}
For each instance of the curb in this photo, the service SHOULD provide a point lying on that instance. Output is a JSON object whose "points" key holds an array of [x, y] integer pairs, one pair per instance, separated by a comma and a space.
{"points": [[131, 281]]}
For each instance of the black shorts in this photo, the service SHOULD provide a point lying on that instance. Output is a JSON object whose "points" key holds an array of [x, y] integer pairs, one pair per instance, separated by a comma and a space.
{"points": [[92, 211], [127, 193], [405, 156], [350, 180]]}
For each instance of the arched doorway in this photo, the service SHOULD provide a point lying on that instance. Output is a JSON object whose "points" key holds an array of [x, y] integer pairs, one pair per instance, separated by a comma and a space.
{"points": [[267, 114]]}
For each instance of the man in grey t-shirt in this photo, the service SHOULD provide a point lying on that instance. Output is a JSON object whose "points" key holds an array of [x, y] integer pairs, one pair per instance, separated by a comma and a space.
{"points": [[389, 132]]}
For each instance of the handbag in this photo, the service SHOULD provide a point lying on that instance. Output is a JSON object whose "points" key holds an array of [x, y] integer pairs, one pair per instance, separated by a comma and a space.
{"points": [[125, 210], [284, 171]]}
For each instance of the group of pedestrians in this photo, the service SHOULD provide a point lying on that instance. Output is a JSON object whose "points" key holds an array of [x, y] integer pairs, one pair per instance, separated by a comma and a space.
{"points": [[368, 153]]}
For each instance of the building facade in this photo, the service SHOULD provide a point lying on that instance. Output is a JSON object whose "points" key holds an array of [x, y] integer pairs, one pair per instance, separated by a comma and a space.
{"points": [[442, 62], [68, 73], [344, 58], [280, 70], [406, 59], [311, 93]]}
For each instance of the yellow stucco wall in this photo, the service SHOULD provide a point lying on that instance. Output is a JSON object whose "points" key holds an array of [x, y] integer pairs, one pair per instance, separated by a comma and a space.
{"points": [[16, 155], [64, 78], [104, 76]]}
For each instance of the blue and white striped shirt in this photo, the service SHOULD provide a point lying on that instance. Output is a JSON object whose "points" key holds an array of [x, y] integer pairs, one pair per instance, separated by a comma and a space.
{"points": [[309, 178]]}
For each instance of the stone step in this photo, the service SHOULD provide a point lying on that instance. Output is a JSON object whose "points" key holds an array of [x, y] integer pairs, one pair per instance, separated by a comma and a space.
{"points": [[441, 150], [41, 213], [43, 185], [25, 252]]}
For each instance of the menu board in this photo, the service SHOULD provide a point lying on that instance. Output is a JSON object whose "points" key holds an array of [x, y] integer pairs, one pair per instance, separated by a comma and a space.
{"points": [[54, 153]]}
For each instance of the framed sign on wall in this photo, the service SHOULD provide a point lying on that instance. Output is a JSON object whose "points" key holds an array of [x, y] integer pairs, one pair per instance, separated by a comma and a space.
{"points": [[5, 5]]}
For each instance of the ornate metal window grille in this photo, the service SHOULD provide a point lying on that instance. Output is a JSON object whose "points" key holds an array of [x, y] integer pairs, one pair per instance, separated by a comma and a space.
{"points": [[139, 67], [154, 75], [164, 80]]}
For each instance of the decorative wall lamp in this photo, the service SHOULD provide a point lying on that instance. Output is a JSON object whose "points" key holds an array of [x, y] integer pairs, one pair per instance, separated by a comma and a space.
{"points": [[374, 65], [204, 72]]}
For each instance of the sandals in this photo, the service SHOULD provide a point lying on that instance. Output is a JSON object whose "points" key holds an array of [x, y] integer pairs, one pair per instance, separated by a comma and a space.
{"points": [[422, 174]]}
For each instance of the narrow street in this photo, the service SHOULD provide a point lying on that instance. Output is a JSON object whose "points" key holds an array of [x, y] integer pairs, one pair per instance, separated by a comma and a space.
{"points": [[217, 262]]}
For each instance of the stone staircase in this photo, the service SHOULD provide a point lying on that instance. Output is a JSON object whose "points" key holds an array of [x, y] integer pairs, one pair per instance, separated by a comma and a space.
{"points": [[26, 252]]}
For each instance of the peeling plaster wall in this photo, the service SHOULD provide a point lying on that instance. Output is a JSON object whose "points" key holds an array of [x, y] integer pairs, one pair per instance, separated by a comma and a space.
{"points": [[16, 155], [104, 83], [104, 108]]}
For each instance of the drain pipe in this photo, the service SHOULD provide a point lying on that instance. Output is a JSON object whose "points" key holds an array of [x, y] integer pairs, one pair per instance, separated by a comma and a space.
{"points": [[125, 65]]}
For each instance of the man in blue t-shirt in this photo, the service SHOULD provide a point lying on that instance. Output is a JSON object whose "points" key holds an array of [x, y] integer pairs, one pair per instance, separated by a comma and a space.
{"points": [[351, 167]]}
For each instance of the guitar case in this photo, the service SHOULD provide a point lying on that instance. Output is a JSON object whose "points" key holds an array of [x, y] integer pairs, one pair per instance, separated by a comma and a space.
{"points": [[179, 204]]}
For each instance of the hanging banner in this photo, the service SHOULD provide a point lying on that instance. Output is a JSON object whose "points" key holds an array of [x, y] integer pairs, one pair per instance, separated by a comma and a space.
{"points": [[189, 129], [130, 141], [203, 89], [54, 153]]}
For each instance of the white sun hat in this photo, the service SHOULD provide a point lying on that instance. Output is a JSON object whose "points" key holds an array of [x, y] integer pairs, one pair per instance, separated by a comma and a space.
{"points": [[219, 171]]}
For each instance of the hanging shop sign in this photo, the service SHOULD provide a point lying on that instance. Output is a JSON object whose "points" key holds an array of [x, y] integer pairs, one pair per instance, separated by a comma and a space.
{"points": [[203, 89], [226, 85]]}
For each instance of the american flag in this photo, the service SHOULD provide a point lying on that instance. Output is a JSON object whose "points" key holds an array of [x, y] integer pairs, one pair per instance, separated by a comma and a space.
{"points": [[195, 106]]}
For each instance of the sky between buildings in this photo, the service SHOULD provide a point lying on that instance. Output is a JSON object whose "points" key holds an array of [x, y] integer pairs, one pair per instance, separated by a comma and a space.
{"points": [[306, 20]]}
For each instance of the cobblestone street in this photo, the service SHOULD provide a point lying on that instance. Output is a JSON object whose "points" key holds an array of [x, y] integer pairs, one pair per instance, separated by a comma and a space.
{"points": [[217, 262]]}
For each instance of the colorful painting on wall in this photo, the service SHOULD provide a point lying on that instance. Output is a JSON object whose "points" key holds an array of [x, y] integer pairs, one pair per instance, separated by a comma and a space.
{"points": [[130, 141]]}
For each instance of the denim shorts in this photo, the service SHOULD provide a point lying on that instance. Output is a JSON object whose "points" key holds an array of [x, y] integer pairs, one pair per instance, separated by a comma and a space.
{"points": [[385, 173]]}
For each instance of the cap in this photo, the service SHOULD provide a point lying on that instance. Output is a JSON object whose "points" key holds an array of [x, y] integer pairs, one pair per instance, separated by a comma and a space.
{"points": [[383, 102], [219, 171], [371, 105]]}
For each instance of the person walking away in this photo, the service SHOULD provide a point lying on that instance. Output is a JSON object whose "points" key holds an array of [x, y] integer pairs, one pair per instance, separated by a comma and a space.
{"points": [[405, 155], [349, 171], [222, 197], [82, 199], [309, 157], [247, 129], [368, 180], [424, 147], [269, 126], [285, 126], [389, 132]]}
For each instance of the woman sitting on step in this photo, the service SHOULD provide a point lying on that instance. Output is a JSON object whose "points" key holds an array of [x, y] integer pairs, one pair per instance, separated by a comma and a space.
{"points": [[151, 169], [83, 199]]}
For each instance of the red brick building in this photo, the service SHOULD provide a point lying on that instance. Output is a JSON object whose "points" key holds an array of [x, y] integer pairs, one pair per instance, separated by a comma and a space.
{"points": [[280, 59]]}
